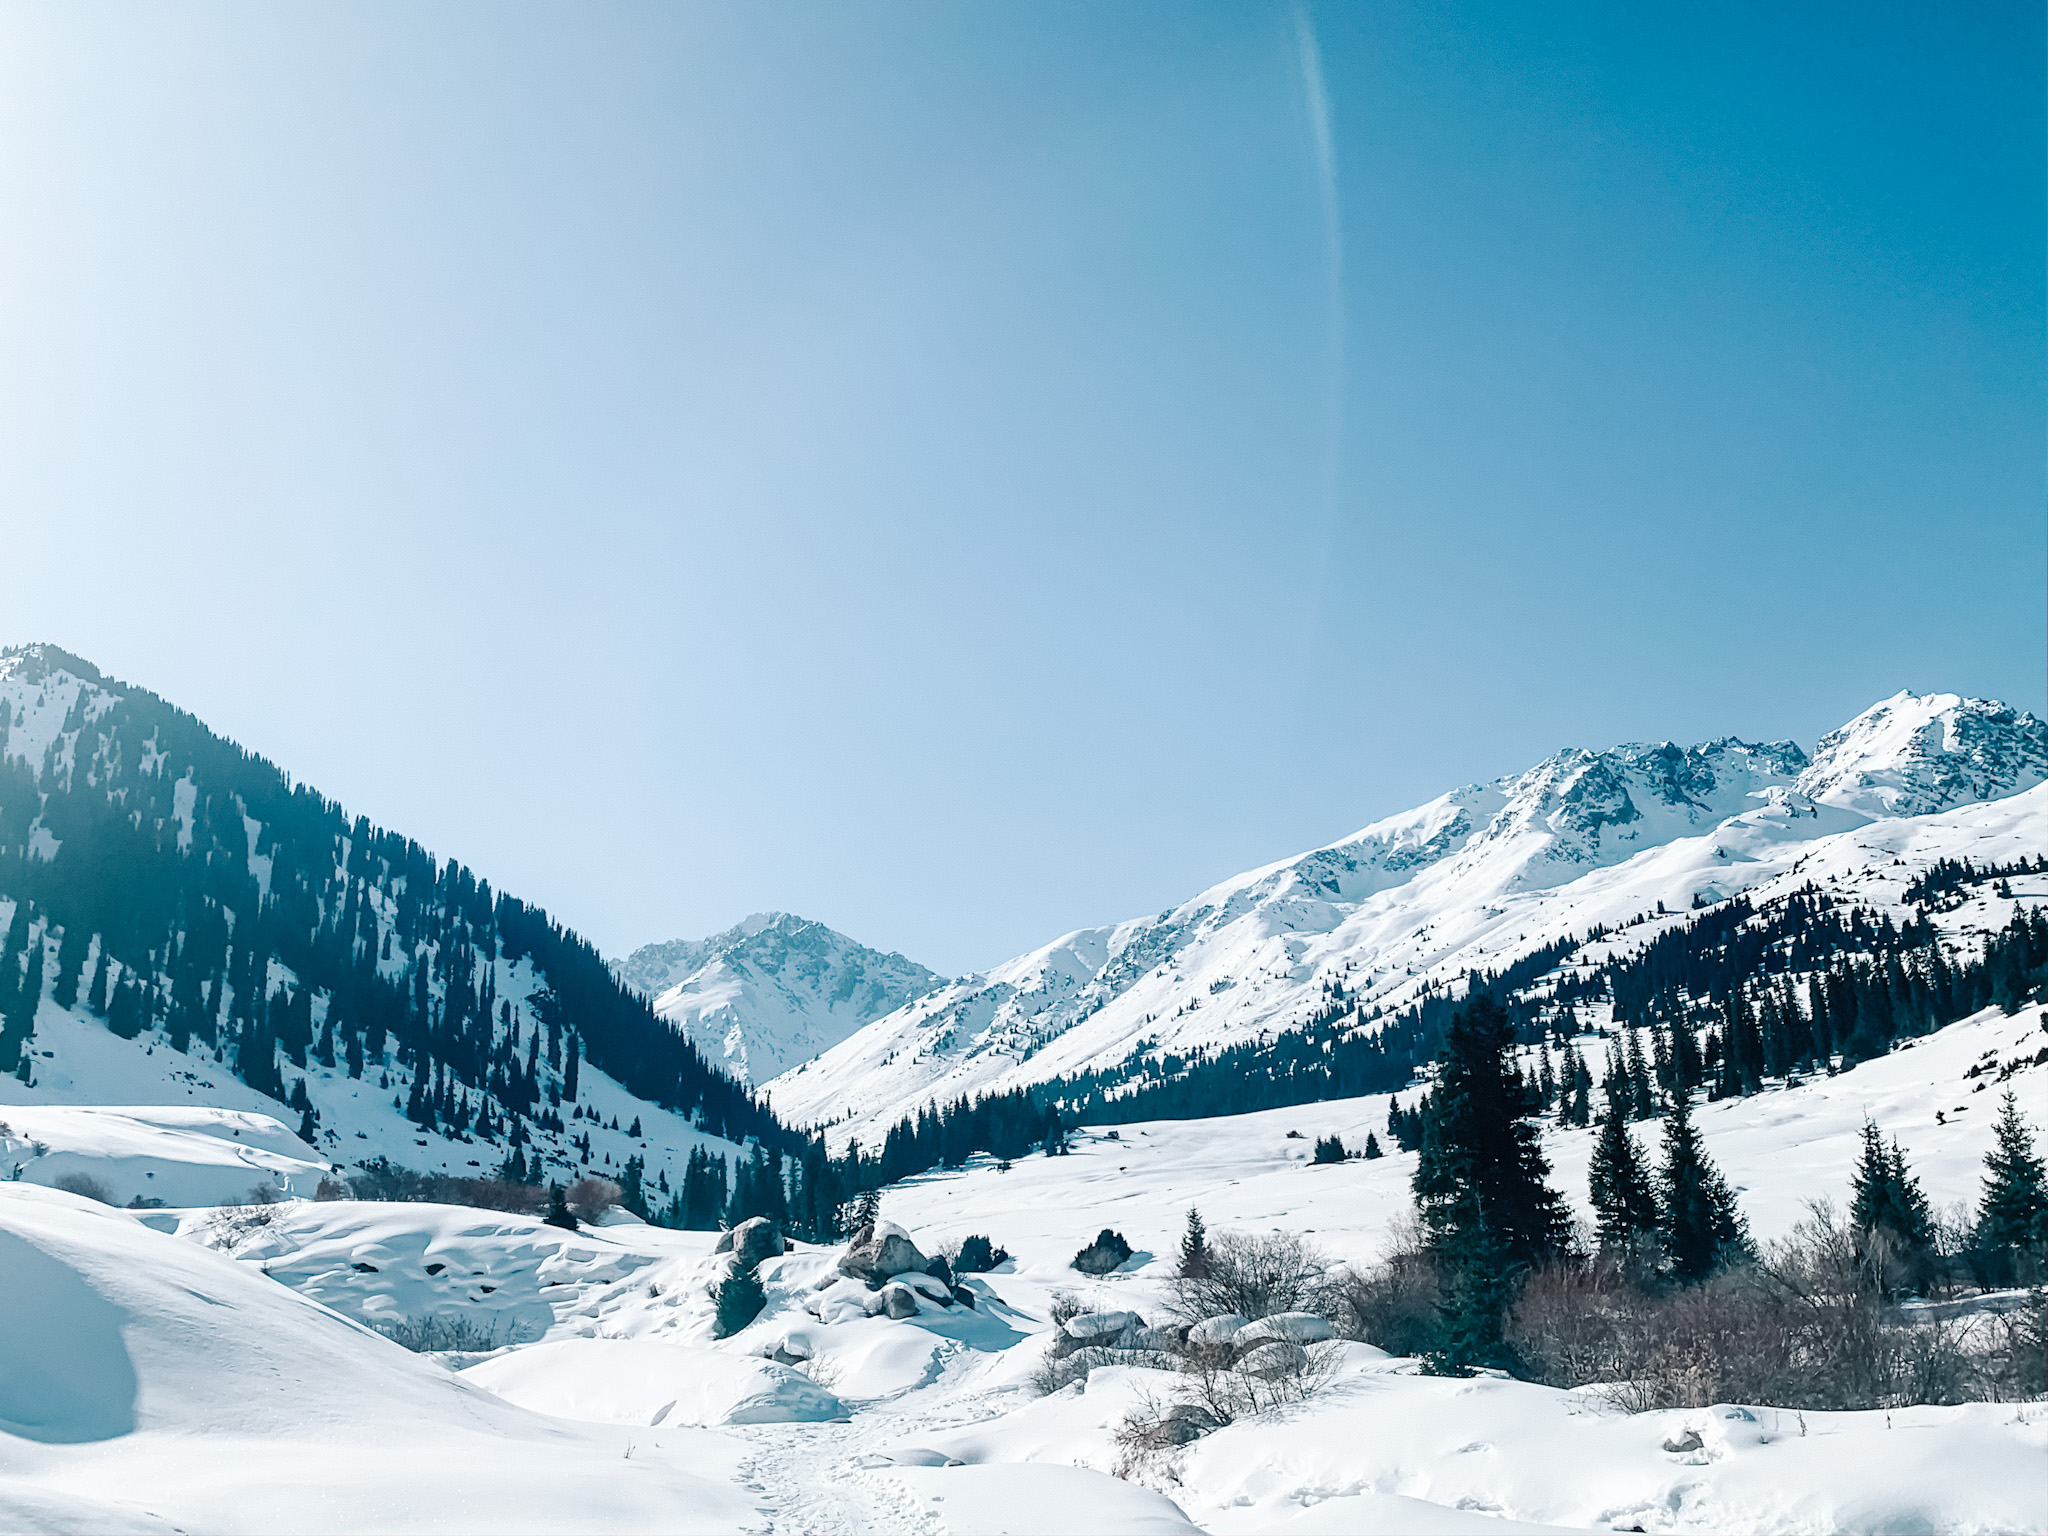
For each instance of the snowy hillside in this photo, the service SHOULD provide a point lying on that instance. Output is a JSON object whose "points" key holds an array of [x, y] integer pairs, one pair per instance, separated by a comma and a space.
{"points": [[181, 924], [1471, 881], [772, 992]]}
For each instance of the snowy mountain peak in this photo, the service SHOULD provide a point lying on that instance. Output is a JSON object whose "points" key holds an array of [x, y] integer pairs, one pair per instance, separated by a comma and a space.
{"points": [[1915, 754], [773, 990], [1474, 880]]}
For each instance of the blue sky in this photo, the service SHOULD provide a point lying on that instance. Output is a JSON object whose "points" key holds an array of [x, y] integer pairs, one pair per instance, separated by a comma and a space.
{"points": [[967, 472]]}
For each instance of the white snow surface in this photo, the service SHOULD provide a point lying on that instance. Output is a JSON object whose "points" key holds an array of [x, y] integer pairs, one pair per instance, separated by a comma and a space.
{"points": [[773, 991], [205, 1370], [1470, 881]]}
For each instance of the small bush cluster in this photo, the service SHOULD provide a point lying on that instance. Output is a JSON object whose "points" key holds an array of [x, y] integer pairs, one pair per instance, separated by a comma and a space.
{"points": [[435, 1333], [86, 1185], [382, 1179]]}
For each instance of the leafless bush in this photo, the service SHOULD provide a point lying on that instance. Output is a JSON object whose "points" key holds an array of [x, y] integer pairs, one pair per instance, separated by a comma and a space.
{"points": [[1255, 1275], [1808, 1327], [590, 1197], [85, 1184], [1065, 1305], [332, 1189], [1392, 1303], [380, 1179], [262, 1194], [434, 1333]]}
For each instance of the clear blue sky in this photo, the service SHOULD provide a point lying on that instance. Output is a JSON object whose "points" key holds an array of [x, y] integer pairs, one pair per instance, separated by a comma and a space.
{"points": [[963, 472]]}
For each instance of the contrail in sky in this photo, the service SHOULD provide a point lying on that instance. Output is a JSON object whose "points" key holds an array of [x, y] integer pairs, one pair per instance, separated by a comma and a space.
{"points": [[1316, 97]]}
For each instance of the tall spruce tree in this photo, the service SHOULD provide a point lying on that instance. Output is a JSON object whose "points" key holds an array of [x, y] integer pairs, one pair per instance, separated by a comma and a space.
{"points": [[1487, 1212], [1624, 1204], [1894, 1229], [2012, 1219], [1698, 1224], [1194, 1247]]}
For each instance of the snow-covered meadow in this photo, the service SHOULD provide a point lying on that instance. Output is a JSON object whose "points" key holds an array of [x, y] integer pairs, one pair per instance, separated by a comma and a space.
{"points": [[209, 1368]]}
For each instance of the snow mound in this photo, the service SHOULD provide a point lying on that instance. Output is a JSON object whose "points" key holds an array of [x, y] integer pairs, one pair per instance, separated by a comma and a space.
{"points": [[175, 1155], [645, 1381], [182, 1389], [1038, 1499]]}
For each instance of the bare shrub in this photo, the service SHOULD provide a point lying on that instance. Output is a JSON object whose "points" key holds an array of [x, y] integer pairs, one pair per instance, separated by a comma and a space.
{"points": [[438, 1332], [590, 1196], [1065, 1305], [381, 1179], [85, 1184], [333, 1189], [262, 1194], [1255, 1275], [1808, 1327], [1392, 1303]]}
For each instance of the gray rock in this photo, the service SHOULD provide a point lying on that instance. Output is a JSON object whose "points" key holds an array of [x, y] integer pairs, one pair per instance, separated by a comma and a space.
{"points": [[1213, 1332], [1689, 1441], [1102, 1327], [1165, 1341], [750, 1242], [1272, 1361], [899, 1300], [1286, 1328], [880, 1252], [965, 1297]]}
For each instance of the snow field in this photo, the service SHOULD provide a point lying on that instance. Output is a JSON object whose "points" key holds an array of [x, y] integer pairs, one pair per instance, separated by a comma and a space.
{"points": [[148, 1384]]}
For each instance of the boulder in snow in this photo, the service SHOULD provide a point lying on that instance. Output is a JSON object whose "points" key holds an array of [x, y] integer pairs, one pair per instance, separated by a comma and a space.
{"points": [[750, 1242], [1284, 1327], [899, 1300], [1272, 1361], [879, 1252], [1215, 1332], [1103, 1327]]}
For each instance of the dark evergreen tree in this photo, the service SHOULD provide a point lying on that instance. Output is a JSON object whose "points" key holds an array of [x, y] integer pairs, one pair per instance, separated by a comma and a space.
{"points": [[1624, 1204], [1372, 1146], [1487, 1212], [1888, 1212], [1194, 1248], [2011, 1239], [1699, 1227], [559, 1214], [738, 1301]]}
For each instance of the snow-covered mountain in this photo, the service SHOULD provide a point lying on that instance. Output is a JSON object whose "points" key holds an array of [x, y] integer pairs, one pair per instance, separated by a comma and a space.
{"points": [[181, 924], [772, 992], [1469, 881]]}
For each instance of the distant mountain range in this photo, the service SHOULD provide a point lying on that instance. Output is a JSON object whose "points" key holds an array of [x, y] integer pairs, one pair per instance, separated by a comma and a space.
{"points": [[773, 991], [1471, 881]]}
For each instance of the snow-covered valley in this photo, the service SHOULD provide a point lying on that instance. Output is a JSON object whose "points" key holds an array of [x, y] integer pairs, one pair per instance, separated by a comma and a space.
{"points": [[204, 1368]]}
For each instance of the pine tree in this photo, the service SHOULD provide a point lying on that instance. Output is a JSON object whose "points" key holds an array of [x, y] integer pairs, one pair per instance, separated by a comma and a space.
{"points": [[1372, 1147], [1194, 1248], [738, 1301], [1698, 1223], [1894, 1230], [2012, 1219], [1487, 1212], [1579, 1111], [559, 1214], [1624, 1204]]}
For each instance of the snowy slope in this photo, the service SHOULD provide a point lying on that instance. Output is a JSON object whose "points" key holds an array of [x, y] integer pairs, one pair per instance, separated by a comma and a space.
{"points": [[143, 762], [147, 1384], [618, 1324], [772, 992], [1471, 880]]}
